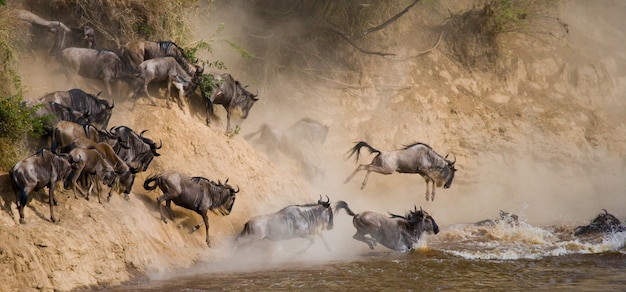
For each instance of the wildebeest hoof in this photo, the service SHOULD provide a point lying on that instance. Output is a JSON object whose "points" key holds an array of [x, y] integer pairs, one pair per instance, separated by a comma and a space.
{"points": [[54, 220], [22, 221], [208, 243], [126, 197]]}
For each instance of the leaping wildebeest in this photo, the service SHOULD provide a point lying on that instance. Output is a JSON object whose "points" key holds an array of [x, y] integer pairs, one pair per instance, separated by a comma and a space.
{"points": [[415, 158], [230, 94], [293, 221], [101, 65], [42, 169], [160, 69], [194, 193], [603, 223], [394, 232]]}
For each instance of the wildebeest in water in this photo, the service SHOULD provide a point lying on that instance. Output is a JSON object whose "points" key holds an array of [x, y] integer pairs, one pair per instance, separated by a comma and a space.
{"points": [[603, 223], [194, 193], [293, 221], [414, 158], [394, 232]]}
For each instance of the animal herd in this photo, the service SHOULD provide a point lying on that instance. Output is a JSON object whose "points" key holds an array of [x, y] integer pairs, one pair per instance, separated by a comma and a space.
{"points": [[85, 154]]}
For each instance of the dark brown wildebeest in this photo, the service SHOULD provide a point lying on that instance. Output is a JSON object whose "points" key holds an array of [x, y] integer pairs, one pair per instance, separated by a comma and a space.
{"points": [[293, 221], [140, 150], [98, 109], [90, 162], [54, 112], [160, 69], [63, 36], [138, 51], [603, 223], [65, 132], [124, 173], [415, 158], [395, 232], [101, 65], [194, 193], [230, 94], [42, 169]]}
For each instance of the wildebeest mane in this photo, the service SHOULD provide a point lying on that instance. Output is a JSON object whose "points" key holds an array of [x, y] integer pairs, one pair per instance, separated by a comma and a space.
{"points": [[415, 144]]}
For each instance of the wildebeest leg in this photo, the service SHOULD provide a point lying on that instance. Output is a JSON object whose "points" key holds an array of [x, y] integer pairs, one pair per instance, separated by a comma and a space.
{"points": [[167, 198], [181, 93], [228, 114], [77, 174], [359, 168], [21, 198], [325, 242], [205, 218], [361, 237], [311, 241], [168, 208], [432, 193], [51, 201], [107, 84]]}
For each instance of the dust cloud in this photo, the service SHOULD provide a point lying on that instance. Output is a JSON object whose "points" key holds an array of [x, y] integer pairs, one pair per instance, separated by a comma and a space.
{"points": [[552, 151]]}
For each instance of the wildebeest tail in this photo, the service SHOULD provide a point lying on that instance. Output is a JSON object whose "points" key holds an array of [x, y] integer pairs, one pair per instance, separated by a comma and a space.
{"points": [[357, 149], [343, 205], [149, 180]]}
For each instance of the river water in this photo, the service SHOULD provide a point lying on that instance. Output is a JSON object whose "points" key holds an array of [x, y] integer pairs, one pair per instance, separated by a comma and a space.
{"points": [[461, 257]]}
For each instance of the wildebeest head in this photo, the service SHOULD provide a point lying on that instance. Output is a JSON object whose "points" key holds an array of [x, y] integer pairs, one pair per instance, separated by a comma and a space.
{"points": [[328, 213], [245, 99], [602, 223], [449, 172], [228, 199], [420, 221]]}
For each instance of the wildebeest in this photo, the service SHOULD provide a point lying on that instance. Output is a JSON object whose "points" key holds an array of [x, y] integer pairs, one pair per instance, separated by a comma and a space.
{"points": [[63, 36], [298, 142], [98, 109], [230, 94], [101, 65], [160, 69], [505, 217], [194, 193], [140, 150], [90, 162], [137, 51], [54, 112], [65, 132], [124, 173], [293, 221], [395, 232], [603, 223], [415, 158], [42, 169]]}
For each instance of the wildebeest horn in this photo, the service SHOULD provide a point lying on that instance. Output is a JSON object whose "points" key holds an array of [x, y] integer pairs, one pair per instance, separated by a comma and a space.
{"points": [[237, 189], [160, 144], [454, 160], [327, 199], [98, 94], [141, 134], [605, 212]]}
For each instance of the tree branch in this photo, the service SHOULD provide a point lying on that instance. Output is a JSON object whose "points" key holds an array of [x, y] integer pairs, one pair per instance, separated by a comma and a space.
{"points": [[349, 39], [390, 20]]}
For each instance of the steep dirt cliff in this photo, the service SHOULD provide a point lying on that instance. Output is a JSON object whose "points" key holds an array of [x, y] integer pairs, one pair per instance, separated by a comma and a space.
{"points": [[543, 137]]}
